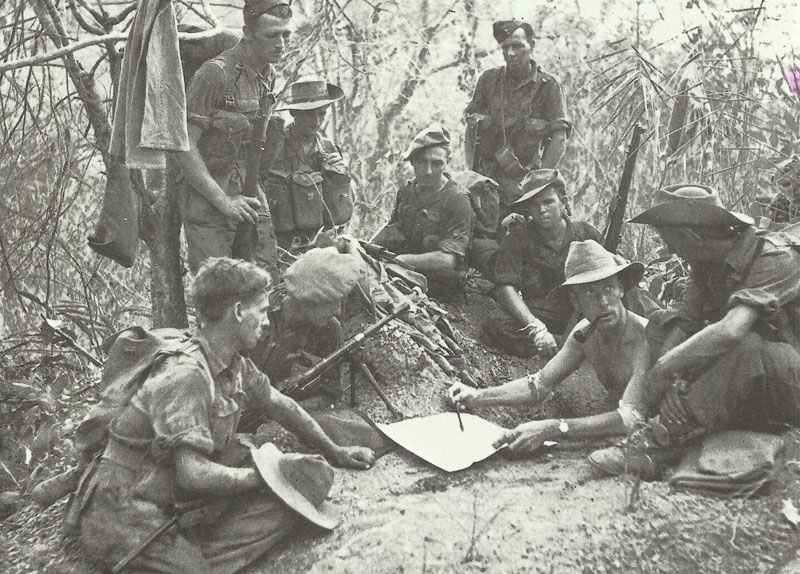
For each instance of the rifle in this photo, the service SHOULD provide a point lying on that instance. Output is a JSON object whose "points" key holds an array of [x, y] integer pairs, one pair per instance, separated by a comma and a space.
{"points": [[244, 244], [394, 267], [616, 213], [301, 384]]}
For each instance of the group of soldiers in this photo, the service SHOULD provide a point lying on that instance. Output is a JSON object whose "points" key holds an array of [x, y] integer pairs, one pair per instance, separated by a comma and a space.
{"points": [[728, 357]]}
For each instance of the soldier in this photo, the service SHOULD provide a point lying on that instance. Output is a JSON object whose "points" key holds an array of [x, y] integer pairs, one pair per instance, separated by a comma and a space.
{"points": [[306, 179], [222, 99], [530, 264], [595, 282], [174, 446], [516, 122], [431, 223]]}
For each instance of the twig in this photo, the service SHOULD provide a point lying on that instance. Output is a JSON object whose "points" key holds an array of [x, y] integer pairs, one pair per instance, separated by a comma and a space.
{"points": [[16, 482]]}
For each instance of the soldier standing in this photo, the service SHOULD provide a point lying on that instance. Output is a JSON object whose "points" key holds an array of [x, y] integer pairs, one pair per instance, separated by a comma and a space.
{"points": [[223, 99]]}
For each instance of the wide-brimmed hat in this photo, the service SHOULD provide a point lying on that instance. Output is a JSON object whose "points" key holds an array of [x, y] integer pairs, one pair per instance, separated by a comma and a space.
{"points": [[311, 94], [502, 29], [302, 481], [588, 261], [431, 136], [537, 181], [690, 205]]}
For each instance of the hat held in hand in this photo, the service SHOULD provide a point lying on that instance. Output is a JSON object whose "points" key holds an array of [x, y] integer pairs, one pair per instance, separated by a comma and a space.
{"points": [[690, 205], [302, 481]]}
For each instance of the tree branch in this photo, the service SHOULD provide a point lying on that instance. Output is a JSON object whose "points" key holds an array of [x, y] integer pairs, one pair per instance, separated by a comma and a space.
{"points": [[65, 50]]}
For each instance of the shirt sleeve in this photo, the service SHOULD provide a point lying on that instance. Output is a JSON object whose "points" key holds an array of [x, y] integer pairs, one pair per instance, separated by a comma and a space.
{"points": [[554, 107], [205, 92], [458, 220], [478, 103], [773, 281], [178, 401], [257, 386]]}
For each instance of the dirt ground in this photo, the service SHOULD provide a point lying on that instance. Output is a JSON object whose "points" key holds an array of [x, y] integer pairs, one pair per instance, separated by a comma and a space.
{"points": [[546, 514]]}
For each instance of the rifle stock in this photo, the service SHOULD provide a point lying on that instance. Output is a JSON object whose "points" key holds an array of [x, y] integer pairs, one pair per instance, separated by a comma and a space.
{"points": [[244, 243], [303, 382]]}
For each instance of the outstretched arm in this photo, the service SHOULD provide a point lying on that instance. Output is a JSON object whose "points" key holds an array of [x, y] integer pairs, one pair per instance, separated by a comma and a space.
{"points": [[286, 412]]}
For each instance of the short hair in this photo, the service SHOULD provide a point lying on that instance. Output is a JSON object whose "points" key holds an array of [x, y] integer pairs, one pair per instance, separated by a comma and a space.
{"points": [[221, 282], [282, 11]]}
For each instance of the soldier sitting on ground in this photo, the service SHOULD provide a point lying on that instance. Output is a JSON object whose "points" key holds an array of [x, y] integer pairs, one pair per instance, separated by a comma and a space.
{"points": [[174, 445], [727, 358], [431, 224], [595, 282], [530, 264], [305, 177]]}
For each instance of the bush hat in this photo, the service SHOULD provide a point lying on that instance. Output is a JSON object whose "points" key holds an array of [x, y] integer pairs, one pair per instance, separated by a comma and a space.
{"points": [[535, 182], [502, 29], [311, 94], [431, 136], [690, 205], [588, 261], [302, 481]]}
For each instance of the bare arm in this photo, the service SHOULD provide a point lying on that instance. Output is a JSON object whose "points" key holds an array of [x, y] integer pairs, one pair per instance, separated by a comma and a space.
{"points": [[286, 412], [431, 261], [518, 391], [510, 299], [239, 208], [197, 474], [708, 343]]}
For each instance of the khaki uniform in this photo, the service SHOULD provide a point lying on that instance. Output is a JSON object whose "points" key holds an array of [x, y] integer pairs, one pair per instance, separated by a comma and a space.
{"points": [[307, 190], [223, 99], [134, 489], [522, 117], [756, 383]]}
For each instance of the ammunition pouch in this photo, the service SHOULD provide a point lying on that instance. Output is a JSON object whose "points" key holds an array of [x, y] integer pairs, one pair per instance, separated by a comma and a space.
{"points": [[338, 197], [225, 142]]}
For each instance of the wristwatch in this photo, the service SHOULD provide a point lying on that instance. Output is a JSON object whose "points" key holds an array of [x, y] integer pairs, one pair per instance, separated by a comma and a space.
{"points": [[563, 427]]}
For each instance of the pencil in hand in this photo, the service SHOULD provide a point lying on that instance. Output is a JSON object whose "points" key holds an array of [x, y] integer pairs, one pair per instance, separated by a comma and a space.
{"points": [[460, 422]]}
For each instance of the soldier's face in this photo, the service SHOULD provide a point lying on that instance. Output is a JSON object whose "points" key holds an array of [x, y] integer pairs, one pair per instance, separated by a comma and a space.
{"points": [[600, 301], [429, 167], [546, 209], [516, 49], [309, 122], [270, 37], [253, 320]]}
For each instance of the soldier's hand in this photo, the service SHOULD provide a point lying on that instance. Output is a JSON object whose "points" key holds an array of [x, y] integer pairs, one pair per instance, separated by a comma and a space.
{"points": [[242, 209], [545, 343], [527, 438], [460, 395], [358, 457]]}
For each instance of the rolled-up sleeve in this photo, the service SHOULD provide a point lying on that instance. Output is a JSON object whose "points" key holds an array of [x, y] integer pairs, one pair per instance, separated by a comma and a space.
{"points": [[178, 402], [773, 281], [554, 108], [457, 233], [204, 94]]}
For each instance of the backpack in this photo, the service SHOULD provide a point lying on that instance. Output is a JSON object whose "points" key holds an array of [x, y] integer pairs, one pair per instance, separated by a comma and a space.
{"points": [[132, 354], [484, 197]]}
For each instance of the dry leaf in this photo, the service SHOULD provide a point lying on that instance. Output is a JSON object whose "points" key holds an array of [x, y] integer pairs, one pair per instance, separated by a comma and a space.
{"points": [[791, 513]]}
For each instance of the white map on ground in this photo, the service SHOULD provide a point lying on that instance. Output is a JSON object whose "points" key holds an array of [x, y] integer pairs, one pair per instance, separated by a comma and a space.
{"points": [[439, 440]]}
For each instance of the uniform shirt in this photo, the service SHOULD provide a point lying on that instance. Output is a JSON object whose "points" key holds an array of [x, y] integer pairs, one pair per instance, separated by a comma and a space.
{"points": [[530, 111], [178, 406], [433, 221], [222, 99], [526, 262], [765, 278]]}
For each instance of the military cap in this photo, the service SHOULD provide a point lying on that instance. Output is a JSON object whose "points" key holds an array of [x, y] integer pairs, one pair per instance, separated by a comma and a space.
{"points": [[255, 8], [433, 135], [502, 29], [536, 182], [690, 205]]}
